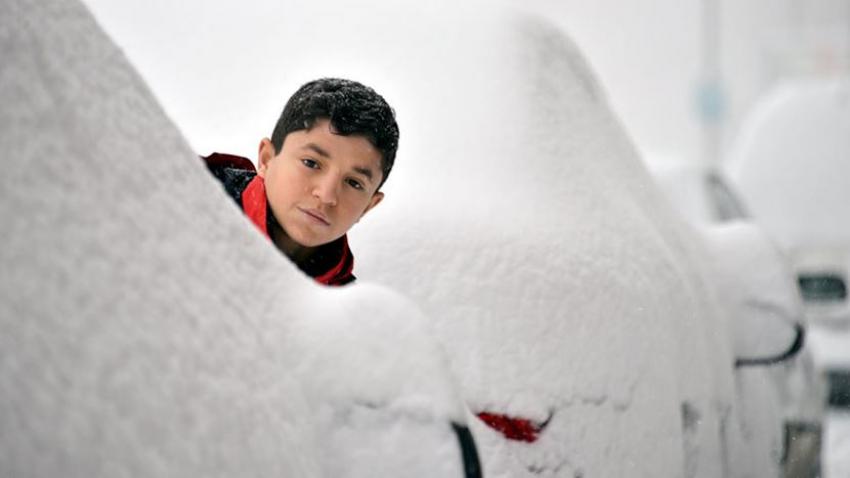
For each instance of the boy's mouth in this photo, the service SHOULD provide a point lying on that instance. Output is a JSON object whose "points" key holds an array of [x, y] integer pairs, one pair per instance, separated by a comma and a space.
{"points": [[316, 216]]}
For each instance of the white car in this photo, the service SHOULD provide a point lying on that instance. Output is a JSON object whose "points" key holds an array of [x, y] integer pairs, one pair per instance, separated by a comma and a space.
{"points": [[790, 164], [757, 278]]}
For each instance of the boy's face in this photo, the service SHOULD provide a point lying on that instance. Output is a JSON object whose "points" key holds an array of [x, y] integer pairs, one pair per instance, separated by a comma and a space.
{"points": [[320, 183]]}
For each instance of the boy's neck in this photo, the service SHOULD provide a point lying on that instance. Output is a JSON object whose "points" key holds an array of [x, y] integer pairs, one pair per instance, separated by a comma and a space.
{"points": [[296, 252]]}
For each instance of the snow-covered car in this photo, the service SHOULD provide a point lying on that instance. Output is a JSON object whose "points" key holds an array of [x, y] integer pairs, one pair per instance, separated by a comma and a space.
{"points": [[788, 396], [782, 394], [148, 330], [578, 311], [790, 164]]}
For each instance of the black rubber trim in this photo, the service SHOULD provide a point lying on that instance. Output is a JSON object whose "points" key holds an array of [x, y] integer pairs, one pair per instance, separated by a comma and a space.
{"points": [[799, 341], [471, 464]]}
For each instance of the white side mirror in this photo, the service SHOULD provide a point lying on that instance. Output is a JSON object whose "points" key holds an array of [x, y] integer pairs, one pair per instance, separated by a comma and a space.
{"points": [[757, 287], [763, 336]]}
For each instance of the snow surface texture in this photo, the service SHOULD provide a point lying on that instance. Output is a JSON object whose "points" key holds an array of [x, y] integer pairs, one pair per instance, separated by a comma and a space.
{"points": [[146, 329], [790, 163]]}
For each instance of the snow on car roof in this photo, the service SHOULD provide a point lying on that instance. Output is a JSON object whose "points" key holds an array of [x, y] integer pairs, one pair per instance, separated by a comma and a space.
{"points": [[791, 162]]}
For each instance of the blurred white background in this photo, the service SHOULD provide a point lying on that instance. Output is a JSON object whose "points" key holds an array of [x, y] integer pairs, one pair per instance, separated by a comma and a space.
{"points": [[682, 74]]}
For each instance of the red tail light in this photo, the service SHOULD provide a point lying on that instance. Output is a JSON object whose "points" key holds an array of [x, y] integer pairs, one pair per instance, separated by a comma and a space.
{"points": [[513, 428]]}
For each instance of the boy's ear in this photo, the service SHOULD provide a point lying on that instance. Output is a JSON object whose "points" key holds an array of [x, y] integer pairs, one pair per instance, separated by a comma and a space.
{"points": [[374, 201], [265, 154]]}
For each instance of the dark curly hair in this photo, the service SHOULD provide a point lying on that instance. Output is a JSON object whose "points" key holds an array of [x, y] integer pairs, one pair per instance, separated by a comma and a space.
{"points": [[352, 109]]}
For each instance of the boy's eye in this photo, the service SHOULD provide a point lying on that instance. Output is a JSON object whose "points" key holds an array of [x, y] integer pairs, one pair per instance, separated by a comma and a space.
{"points": [[310, 163], [354, 183]]}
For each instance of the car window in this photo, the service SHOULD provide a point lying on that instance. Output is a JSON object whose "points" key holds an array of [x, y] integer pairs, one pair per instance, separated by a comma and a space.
{"points": [[727, 207]]}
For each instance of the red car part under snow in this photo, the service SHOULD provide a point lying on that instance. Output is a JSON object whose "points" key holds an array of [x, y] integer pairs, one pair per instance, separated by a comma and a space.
{"points": [[513, 428]]}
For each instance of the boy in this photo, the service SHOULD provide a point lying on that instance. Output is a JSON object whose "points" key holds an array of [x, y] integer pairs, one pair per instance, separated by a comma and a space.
{"points": [[331, 150]]}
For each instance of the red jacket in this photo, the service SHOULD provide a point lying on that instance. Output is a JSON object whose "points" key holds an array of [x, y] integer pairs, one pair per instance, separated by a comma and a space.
{"points": [[332, 264]]}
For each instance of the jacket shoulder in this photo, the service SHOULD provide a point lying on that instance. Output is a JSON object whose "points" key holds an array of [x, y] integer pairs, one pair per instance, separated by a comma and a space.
{"points": [[219, 161], [233, 172]]}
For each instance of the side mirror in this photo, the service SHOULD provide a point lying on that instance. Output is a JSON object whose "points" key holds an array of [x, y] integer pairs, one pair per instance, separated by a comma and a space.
{"points": [[766, 336], [383, 441]]}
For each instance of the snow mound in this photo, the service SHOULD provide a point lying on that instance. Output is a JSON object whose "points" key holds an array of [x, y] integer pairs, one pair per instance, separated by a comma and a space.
{"points": [[148, 329]]}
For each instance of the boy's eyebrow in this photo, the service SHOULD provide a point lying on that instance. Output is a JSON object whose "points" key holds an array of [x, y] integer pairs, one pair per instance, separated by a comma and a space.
{"points": [[358, 169], [365, 172], [318, 150]]}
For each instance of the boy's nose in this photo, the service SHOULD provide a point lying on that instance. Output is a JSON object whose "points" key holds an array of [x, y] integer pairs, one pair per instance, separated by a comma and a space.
{"points": [[325, 189]]}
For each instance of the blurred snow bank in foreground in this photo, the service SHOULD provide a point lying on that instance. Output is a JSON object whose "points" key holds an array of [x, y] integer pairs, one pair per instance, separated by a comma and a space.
{"points": [[148, 329]]}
